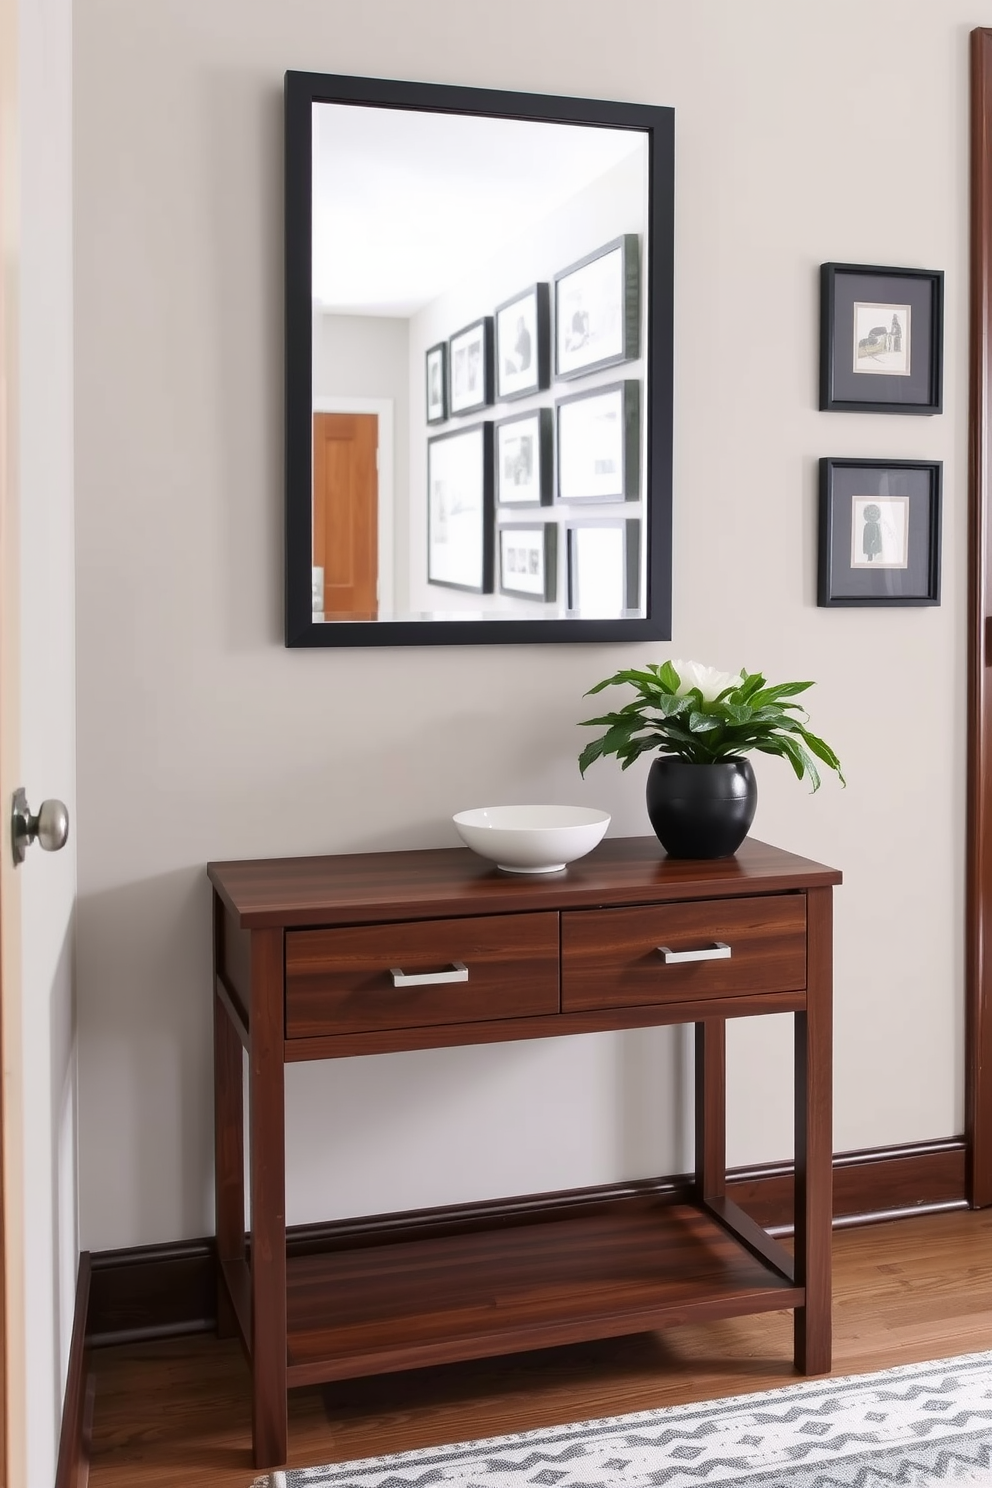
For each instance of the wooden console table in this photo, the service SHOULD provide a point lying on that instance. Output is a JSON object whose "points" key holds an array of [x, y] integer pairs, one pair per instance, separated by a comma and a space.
{"points": [[319, 958]]}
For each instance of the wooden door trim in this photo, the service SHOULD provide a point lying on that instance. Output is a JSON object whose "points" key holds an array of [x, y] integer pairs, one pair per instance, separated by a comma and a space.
{"points": [[978, 1017], [383, 408]]}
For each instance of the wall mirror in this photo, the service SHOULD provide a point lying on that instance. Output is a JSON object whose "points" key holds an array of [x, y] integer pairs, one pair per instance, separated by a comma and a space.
{"points": [[478, 365]]}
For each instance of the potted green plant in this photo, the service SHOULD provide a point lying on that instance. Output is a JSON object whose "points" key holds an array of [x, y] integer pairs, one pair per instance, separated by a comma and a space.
{"points": [[701, 791]]}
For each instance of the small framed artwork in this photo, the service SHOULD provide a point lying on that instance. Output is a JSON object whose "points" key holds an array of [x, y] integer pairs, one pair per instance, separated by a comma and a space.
{"points": [[528, 561], [881, 339], [470, 367], [598, 309], [524, 459], [879, 532], [598, 438], [523, 344], [437, 383], [460, 511], [602, 568]]}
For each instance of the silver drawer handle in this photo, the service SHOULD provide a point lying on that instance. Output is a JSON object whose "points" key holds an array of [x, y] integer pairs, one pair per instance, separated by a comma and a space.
{"points": [[458, 973], [718, 951]]}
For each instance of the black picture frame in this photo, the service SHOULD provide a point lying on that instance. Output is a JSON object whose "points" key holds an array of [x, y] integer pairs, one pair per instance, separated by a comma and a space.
{"points": [[436, 383], [604, 467], [524, 459], [881, 339], [624, 556], [530, 541], [307, 91], [470, 367], [528, 341], [463, 517], [879, 532], [598, 309]]}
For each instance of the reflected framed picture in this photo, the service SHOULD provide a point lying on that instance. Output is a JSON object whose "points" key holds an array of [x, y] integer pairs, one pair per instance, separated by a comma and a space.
{"points": [[598, 309], [879, 536], [523, 344], [525, 459], [528, 560], [436, 369], [602, 568], [470, 367], [881, 339], [598, 438], [460, 512]]}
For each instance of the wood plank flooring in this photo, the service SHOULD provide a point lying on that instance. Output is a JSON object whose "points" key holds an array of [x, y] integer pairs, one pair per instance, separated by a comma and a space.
{"points": [[177, 1414]]}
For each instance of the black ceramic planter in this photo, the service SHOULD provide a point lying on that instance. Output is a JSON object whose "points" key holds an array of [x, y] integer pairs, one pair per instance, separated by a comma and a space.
{"points": [[701, 811]]}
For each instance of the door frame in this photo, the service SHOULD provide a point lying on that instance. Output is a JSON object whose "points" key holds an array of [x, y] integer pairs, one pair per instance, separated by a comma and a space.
{"points": [[13, 1328], [383, 408], [978, 825]]}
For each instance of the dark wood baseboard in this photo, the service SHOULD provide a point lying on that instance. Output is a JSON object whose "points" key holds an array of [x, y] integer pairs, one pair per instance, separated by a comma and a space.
{"points": [[163, 1291], [73, 1468]]}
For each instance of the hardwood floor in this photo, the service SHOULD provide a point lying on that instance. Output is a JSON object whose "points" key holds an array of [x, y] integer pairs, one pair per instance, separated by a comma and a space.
{"points": [[177, 1414]]}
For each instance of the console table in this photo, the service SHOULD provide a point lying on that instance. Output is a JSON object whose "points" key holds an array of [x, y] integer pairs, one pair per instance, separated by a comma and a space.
{"points": [[321, 958]]}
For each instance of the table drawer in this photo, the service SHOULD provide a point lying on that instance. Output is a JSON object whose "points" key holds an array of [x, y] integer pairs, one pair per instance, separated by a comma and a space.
{"points": [[611, 958], [342, 981]]}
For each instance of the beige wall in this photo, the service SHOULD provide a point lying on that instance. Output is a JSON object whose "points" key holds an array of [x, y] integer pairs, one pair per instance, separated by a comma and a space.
{"points": [[805, 134]]}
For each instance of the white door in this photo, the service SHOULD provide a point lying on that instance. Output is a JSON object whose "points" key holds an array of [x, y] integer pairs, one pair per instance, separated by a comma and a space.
{"points": [[37, 708]]}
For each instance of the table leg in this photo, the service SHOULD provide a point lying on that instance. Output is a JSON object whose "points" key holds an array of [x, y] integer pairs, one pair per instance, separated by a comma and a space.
{"points": [[711, 1109], [229, 1156], [267, 1121], [814, 1140]]}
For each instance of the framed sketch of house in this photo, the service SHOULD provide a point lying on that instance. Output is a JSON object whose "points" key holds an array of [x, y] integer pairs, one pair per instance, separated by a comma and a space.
{"points": [[881, 339]]}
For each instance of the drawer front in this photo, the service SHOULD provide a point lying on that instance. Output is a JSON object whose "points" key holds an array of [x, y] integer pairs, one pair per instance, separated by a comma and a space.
{"points": [[341, 981], [610, 957]]}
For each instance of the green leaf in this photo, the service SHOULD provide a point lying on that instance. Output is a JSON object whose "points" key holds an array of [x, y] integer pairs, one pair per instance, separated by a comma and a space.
{"points": [[699, 722], [752, 683], [823, 752], [669, 677]]}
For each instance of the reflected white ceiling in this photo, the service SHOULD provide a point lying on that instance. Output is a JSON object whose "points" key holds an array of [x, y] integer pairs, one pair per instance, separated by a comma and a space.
{"points": [[404, 202]]}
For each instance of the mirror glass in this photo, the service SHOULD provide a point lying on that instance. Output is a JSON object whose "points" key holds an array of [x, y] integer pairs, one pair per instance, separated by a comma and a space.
{"points": [[479, 409]]}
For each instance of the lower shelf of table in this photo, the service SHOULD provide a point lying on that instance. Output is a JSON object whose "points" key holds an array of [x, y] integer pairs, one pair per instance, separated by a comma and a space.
{"points": [[622, 1267]]}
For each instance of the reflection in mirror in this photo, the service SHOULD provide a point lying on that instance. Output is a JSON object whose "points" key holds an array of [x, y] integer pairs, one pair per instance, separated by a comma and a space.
{"points": [[488, 344]]}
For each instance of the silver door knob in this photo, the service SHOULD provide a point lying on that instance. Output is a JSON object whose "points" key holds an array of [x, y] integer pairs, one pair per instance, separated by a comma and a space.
{"points": [[50, 827]]}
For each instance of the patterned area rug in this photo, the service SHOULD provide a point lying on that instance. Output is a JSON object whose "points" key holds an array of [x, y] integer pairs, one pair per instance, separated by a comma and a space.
{"points": [[917, 1425]]}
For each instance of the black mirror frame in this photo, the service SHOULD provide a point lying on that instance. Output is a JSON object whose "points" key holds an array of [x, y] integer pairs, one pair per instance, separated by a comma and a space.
{"points": [[302, 90]]}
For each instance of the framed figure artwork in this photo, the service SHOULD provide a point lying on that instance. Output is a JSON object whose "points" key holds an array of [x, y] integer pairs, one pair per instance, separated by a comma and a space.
{"points": [[436, 377], [523, 344], [528, 561], [524, 459], [879, 532], [470, 367], [881, 339], [460, 509], [598, 439], [598, 309]]}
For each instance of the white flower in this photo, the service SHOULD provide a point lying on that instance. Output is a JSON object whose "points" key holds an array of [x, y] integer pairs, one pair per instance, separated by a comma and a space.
{"points": [[709, 681]]}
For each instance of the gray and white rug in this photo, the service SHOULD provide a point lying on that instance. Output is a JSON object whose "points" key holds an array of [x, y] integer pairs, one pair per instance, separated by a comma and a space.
{"points": [[917, 1425]]}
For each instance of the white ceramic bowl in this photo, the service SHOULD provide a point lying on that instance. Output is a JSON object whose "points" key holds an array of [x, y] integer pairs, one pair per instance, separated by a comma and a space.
{"points": [[531, 839]]}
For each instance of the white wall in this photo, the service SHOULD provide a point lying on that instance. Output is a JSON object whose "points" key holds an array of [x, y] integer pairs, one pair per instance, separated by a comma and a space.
{"points": [[201, 737]]}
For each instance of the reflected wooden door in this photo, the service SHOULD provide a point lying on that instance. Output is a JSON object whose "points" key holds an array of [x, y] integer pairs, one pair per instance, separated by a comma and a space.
{"points": [[345, 513]]}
